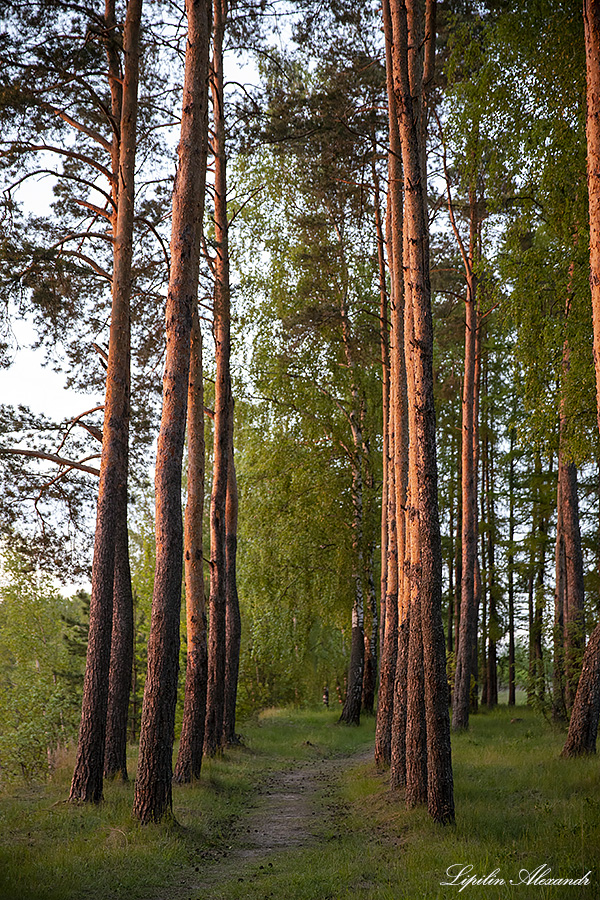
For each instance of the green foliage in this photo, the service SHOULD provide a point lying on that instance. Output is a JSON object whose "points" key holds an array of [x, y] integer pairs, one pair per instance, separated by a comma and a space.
{"points": [[39, 677], [294, 582]]}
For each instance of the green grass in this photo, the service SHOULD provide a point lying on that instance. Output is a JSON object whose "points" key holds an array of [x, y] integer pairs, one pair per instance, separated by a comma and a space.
{"points": [[518, 806]]}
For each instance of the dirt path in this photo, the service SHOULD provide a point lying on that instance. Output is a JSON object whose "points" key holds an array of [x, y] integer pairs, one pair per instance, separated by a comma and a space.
{"points": [[286, 817]]}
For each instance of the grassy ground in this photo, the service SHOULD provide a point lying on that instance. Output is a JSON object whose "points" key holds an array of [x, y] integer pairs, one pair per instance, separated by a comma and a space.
{"points": [[519, 806]]}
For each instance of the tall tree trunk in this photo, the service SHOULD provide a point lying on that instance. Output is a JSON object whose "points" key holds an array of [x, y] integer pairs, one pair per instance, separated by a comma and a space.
{"points": [[439, 766], [493, 620], [583, 727], [121, 655], [467, 637], [389, 650], [233, 622], [482, 643], [111, 513], [223, 431], [391, 710], [121, 652], [153, 794], [351, 710], [537, 570], [370, 636], [458, 555], [191, 742], [570, 641], [584, 719], [384, 342], [416, 729], [370, 629], [569, 589], [451, 575], [591, 19], [512, 694]]}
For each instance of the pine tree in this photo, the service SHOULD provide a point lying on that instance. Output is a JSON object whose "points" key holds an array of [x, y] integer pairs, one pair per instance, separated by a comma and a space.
{"points": [[153, 793]]}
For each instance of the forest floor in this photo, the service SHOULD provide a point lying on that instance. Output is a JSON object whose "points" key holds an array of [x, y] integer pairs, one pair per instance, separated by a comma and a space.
{"points": [[299, 812], [292, 810]]}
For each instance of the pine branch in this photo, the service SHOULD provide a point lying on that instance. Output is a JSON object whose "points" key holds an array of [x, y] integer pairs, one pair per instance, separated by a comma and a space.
{"points": [[51, 457]]}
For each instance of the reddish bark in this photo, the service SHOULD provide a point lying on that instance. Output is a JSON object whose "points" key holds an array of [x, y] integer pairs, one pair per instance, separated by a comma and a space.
{"points": [[87, 779], [583, 727], [191, 742], [422, 427], [153, 797], [121, 655], [223, 430]]}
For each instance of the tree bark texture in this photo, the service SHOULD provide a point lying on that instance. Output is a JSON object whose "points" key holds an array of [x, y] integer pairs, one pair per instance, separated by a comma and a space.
{"points": [[467, 636], [537, 567], [416, 729], [512, 693], [584, 719], [191, 742], [493, 621], [370, 636], [391, 712], [233, 622], [583, 727], [569, 621], [87, 779], [384, 341], [417, 292], [389, 649], [351, 710], [223, 431], [153, 797], [121, 654], [591, 19]]}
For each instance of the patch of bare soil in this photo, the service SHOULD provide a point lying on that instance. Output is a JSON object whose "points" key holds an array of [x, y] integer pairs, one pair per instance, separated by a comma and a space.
{"points": [[286, 817]]}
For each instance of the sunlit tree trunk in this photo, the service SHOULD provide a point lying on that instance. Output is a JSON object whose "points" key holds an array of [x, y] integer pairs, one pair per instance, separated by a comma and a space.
{"points": [[423, 450], [416, 732], [390, 745], [591, 18], [189, 756], [583, 727], [153, 793], [111, 513]]}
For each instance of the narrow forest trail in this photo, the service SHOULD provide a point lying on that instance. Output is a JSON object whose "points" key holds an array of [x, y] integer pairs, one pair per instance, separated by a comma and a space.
{"points": [[290, 807]]}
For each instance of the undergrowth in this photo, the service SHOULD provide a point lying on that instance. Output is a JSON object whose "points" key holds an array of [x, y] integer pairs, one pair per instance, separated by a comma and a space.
{"points": [[519, 807]]}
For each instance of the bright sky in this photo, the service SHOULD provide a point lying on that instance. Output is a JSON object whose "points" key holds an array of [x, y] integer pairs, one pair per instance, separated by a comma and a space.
{"points": [[32, 384]]}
